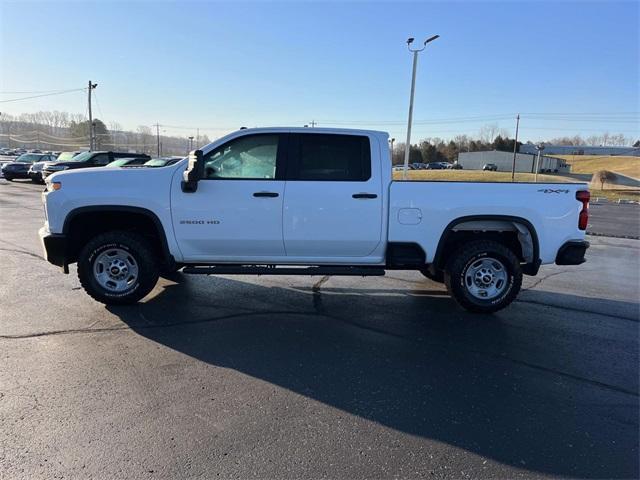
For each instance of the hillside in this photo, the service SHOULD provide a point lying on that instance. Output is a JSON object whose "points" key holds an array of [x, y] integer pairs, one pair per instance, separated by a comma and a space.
{"points": [[629, 166]]}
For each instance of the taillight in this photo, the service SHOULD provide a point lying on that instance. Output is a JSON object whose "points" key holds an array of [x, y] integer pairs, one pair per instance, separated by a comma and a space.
{"points": [[583, 219]]}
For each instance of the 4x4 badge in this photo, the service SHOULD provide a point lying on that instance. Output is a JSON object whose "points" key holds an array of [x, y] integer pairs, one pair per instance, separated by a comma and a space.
{"points": [[551, 190]]}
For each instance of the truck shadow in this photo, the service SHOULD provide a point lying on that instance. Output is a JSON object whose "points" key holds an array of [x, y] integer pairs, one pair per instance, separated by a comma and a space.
{"points": [[411, 360]]}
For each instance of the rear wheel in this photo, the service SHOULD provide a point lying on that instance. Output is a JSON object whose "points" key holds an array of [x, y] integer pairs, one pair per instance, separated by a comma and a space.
{"points": [[483, 276], [117, 268]]}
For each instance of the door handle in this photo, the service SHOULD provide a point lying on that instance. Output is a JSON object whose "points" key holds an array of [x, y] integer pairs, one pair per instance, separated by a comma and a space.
{"points": [[364, 195], [266, 194]]}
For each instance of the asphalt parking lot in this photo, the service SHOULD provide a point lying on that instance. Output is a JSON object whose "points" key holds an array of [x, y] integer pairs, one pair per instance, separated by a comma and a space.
{"points": [[296, 377], [615, 220]]}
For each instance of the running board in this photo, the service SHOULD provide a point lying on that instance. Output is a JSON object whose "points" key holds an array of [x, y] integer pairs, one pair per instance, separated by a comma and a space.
{"points": [[272, 270]]}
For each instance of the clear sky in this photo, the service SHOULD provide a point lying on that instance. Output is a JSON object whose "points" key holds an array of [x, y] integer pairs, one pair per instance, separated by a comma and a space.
{"points": [[219, 65]]}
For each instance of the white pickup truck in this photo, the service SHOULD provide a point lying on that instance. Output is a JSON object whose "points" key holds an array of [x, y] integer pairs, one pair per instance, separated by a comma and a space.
{"points": [[294, 201]]}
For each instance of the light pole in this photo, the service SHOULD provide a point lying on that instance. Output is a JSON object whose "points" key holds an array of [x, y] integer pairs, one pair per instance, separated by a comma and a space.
{"points": [[415, 52], [539, 148], [190, 143]]}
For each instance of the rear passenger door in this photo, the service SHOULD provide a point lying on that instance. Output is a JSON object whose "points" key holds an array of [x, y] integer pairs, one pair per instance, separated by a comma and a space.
{"points": [[333, 197]]}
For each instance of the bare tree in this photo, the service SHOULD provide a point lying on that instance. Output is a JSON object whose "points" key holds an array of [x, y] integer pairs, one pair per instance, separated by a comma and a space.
{"points": [[488, 133], [605, 176]]}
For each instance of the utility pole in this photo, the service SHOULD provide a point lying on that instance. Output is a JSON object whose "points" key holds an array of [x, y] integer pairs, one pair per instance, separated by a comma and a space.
{"points": [[313, 123], [415, 52], [91, 126], [391, 141], [158, 136], [197, 137], [539, 148], [515, 149]]}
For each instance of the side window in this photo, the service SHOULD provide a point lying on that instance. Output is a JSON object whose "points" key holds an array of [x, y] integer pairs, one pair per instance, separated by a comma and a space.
{"points": [[249, 157], [100, 159], [333, 157]]}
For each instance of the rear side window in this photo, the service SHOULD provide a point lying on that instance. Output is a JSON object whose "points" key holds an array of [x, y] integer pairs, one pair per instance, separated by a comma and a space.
{"points": [[331, 157]]}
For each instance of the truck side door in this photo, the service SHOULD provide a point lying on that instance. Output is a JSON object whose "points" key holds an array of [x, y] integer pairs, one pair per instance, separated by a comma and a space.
{"points": [[333, 197], [236, 212]]}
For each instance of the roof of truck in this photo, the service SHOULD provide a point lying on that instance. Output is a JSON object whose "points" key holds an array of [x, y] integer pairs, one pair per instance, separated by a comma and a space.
{"points": [[313, 130]]}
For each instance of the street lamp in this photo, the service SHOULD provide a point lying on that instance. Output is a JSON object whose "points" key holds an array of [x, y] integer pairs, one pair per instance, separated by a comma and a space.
{"points": [[415, 52], [190, 143]]}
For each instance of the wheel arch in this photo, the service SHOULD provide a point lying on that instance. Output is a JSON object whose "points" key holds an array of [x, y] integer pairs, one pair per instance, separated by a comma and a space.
{"points": [[526, 235], [128, 214]]}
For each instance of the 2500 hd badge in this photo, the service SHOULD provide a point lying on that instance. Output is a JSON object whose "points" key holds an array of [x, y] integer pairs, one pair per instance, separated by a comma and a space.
{"points": [[199, 222]]}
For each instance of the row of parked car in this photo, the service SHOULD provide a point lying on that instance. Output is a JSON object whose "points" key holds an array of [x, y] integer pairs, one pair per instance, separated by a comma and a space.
{"points": [[430, 166], [16, 152], [38, 166]]}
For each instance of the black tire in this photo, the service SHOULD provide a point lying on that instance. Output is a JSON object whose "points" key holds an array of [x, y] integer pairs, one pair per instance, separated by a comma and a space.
{"points": [[139, 249], [8, 179], [466, 257], [438, 277]]}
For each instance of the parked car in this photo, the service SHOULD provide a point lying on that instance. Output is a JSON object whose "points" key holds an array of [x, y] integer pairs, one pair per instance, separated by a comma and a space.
{"points": [[2, 164], [162, 162], [128, 162], [490, 167], [234, 208], [35, 171], [435, 166], [456, 166], [87, 160], [20, 167]]}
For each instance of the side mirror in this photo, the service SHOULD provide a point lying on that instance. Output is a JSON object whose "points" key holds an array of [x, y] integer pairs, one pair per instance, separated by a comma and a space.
{"points": [[193, 173]]}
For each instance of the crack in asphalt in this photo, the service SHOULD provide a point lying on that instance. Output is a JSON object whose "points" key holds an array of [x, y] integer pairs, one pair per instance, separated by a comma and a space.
{"points": [[149, 325], [24, 252], [18, 249], [580, 310]]}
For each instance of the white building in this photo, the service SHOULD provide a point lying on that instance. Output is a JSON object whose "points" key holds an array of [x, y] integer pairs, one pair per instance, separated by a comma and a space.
{"points": [[525, 162]]}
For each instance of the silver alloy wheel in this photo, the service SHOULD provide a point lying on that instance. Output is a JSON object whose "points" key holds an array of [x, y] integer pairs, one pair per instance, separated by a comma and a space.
{"points": [[115, 270], [486, 278]]}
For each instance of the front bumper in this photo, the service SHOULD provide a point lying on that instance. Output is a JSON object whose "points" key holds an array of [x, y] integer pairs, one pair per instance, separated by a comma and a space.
{"points": [[16, 174], [572, 253], [55, 247]]}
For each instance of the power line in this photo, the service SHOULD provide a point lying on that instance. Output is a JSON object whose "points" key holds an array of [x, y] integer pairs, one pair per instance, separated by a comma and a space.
{"points": [[43, 95], [34, 91]]}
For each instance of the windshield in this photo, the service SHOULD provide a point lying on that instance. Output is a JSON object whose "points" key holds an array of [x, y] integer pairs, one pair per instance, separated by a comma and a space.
{"points": [[28, 158], [81, 157], [119, 163], [65, 156], [156, 163]]}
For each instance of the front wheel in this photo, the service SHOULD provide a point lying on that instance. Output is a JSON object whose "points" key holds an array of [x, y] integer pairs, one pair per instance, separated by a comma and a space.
{"points": [[118, 268], [483, 276]]}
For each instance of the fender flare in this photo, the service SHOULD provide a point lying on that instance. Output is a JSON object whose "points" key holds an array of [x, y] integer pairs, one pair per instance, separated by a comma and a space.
{"points": [[530, 268], [168, 257]]}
